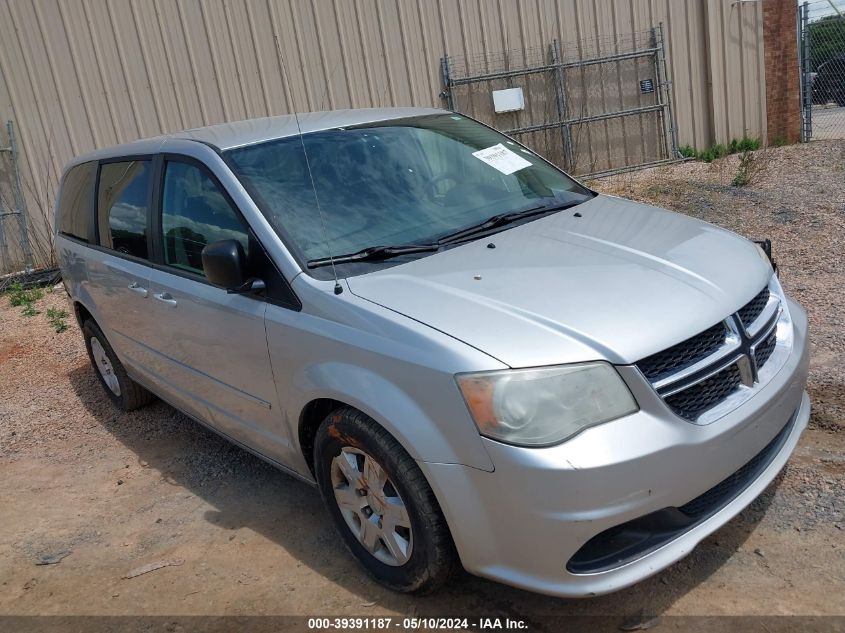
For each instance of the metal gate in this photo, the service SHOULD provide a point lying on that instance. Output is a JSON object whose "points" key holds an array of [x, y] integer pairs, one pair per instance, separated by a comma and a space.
{"points": [[821, 51], [593, 107]]}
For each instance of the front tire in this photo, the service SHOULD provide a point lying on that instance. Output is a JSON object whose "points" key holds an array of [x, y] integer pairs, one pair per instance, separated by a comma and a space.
{"points": [[382, 504], [120, 388]]}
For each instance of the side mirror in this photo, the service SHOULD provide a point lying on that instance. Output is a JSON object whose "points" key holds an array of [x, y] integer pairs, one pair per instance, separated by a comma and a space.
{"points": [[224, 264]]}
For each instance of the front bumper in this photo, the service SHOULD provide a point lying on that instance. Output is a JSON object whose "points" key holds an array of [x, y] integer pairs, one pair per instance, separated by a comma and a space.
{"points": [[522, 523]]}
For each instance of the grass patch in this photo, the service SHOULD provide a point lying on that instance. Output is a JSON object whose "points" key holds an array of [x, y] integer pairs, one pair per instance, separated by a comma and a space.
{"points": [[719, 150], [714, 152], [24, 298], [745, 144], [57, 319], [688, 151]]}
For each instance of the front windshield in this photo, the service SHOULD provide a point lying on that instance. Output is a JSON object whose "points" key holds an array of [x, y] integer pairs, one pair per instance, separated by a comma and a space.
{"points": [[405, 181]]}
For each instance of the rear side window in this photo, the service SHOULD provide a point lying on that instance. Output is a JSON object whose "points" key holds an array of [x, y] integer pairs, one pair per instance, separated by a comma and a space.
{"points": [[123, 206], [195, 212], [76, 200]]}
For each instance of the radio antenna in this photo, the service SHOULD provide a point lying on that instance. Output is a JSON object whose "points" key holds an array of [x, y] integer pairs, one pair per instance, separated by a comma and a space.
{"points": [[337, 287]]}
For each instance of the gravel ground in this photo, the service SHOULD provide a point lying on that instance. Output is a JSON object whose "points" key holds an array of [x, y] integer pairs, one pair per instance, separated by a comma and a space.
{"points": [[103, 493]]}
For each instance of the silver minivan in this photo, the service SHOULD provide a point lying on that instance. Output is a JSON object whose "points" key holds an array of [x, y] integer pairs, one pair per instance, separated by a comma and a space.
{"points": [[476, 359]]}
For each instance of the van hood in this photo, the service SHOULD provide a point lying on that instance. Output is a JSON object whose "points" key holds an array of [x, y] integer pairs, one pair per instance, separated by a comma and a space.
{"points": [[618, 281]]}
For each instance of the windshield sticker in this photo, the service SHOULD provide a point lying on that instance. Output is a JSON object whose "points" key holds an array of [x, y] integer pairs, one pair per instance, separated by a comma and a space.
{"points": [[501, 158]]}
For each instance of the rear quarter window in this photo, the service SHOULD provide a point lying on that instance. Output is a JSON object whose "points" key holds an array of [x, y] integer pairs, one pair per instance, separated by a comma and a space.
{"points": [[123, 206], [75, 210]]}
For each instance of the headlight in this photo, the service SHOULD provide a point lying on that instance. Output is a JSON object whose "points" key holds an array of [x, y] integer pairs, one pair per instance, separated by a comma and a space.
{"points": [[539, 407], [784, 326]]}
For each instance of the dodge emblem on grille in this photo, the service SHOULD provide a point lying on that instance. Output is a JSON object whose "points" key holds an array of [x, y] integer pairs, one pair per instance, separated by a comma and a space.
{"points": [[745, 363]]}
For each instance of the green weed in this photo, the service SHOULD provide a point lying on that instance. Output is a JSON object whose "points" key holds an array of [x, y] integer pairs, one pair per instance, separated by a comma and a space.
{"points": [[20, 296], [688, 151], [57, 319], [718, 150], [744, 170]]}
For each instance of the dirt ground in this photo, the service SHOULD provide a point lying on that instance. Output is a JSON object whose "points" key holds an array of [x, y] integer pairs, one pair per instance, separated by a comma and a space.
{"points": [[107, 492]]}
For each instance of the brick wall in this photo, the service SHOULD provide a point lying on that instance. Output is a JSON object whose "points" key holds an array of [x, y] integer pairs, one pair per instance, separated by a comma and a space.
{"points": [[783, 99]]}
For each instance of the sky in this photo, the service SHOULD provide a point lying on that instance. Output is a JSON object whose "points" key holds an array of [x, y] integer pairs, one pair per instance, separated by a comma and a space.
{"points": [[821, 8]]}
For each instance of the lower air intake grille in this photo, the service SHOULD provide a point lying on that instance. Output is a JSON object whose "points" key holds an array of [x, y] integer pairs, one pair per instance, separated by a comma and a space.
{"points": [[633, 539], [727, 489]]}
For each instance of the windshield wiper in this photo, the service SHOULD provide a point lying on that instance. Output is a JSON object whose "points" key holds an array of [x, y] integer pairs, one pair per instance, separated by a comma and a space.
{"points": [[380, 253], [503, 219], [374, 253]]}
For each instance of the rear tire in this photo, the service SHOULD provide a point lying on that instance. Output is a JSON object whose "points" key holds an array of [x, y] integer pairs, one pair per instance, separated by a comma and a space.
{"points": [[382, 504], [120, 388]]}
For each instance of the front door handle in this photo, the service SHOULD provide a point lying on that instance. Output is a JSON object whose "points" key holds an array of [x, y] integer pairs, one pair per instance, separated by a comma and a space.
{"points": [[165, 297], [134, 287]]}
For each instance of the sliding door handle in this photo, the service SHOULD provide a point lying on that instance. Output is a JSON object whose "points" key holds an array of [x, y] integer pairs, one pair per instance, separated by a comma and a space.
{"points": [[138, 290], [165, 297]]}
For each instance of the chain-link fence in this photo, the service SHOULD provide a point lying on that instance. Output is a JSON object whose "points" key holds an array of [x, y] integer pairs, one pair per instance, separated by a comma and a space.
{"points": [[26, 210], [15, 253], [822, 58], [594, 107]]}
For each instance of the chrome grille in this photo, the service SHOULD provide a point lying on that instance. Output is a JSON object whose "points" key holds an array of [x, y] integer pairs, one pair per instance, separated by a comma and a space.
{"points": [[763, 351], [691, 402], [751, 310], [702, 372], [684, 354]]}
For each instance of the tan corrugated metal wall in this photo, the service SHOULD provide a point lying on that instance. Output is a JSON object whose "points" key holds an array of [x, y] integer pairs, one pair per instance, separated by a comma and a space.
{"points": [[81, 74]]}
